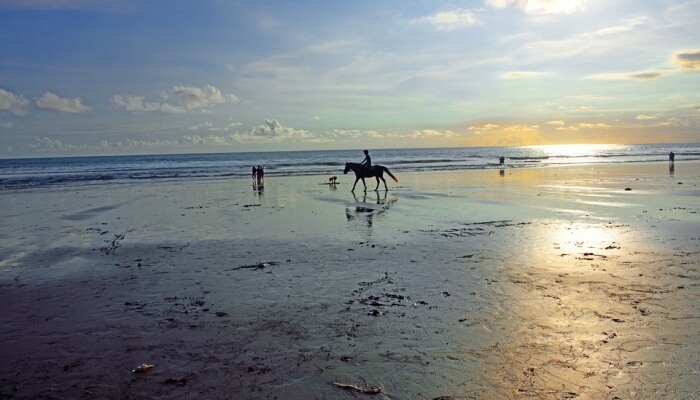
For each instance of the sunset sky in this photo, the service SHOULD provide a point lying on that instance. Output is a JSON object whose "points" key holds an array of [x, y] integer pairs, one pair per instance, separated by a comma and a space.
{"points": [[85, 77]]}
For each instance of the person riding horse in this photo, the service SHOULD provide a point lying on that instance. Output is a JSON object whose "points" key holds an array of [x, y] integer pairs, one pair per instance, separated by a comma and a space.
{"points": [[367, 162]]}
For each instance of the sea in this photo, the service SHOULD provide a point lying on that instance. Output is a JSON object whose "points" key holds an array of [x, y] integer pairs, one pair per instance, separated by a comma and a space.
{"points": [[23, 173]]}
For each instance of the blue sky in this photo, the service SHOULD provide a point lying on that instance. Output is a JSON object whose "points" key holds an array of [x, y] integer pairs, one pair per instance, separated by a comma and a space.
{"points": [[83, 77]]}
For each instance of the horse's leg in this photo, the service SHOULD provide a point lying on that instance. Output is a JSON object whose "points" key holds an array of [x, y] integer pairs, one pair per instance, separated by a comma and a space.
{"points": [[383, 180], [377, 178], [357, 178], [364, 184]]}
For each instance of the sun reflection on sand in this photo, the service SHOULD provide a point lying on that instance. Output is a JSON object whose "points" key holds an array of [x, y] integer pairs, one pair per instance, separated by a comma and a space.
{"points": [[564, 308]]}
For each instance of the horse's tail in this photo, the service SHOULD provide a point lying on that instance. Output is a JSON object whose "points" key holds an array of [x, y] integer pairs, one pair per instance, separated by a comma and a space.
{"points": [[390, 174]]}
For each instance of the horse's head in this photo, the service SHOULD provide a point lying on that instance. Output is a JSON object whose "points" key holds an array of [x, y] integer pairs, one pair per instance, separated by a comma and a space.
{"points": [[347, 168]]}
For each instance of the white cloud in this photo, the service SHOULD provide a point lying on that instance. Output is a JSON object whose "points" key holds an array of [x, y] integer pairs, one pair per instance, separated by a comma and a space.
{"points": [[643, 117], [52, 102], [499, 3], [636, 76], [483, 127], [273, 129], [624, 26], [134, 103], [7, 125], [191, 98], [46, 143], [584, 125], [556, 123], [542, 7], [551, 7], [200, 97], [15, 104], [432, 133], [449, 20], [521, 75]]}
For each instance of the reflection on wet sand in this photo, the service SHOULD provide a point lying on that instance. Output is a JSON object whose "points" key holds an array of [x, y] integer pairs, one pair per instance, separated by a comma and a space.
{"points": [[366, 212], [581, 325]]}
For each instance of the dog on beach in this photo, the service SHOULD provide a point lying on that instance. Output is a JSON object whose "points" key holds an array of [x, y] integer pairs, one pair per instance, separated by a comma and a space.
{"points": [[332, 180]]}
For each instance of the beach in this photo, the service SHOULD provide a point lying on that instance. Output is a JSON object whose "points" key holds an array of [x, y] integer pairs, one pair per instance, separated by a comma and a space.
{"points": [[544, 283]]}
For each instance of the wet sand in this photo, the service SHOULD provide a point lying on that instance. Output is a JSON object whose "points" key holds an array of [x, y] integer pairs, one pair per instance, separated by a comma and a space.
{"points": [[544, 283]]}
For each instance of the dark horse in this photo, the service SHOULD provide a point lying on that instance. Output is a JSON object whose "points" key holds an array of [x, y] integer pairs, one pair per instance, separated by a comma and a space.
{"points": [[376, 171]]}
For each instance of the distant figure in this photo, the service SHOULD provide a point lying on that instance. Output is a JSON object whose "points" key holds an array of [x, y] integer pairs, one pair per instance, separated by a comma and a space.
{"points": [[332, 180], [671, 158], [502, 160], [261, 176], [255, 175], [367, 162]]}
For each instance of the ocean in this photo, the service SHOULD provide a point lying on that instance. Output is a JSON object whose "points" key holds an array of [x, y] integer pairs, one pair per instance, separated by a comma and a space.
{"points": [[79, 171]]}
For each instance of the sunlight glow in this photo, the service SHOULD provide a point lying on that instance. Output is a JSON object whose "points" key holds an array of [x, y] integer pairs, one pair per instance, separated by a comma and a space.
{"points": [[576, 150]]}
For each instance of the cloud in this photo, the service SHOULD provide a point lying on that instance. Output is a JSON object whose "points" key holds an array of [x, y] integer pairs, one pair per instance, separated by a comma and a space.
{"points": [[584, 125], [499, 3], [191, 98], [52, 102], [449, 20], [432, 133], [134, 103], [7, 124], [139, 104], [542, 7], [521, 75], [200, 97], [15, 104], [643, 117], [624, 26], [504, 135], [273, 129], [638, 76], [687, 61], [556, 123], [484, 127], [46, 143]]}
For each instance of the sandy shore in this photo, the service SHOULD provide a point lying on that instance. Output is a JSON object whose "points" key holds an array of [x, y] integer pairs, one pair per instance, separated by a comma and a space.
{"points": [[550, 283]]}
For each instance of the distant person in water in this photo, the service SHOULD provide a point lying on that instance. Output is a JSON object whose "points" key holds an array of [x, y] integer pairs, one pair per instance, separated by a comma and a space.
{"points": [[367, 162], [671, 157]]}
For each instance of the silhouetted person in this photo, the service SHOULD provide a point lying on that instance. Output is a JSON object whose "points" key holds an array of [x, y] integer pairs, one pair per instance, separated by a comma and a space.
{"points": [[261, 175], [671, 158], [502, 160], [367, 162], [255, 175]]}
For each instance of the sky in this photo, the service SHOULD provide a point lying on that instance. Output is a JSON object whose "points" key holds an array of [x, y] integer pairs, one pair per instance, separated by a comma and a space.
{"points": [[101, 77]]}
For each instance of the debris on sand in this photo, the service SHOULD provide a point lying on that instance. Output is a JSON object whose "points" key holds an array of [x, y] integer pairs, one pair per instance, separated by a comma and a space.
{"points": [[176, 382], [366, 389], [142, 368], [260, 265]]}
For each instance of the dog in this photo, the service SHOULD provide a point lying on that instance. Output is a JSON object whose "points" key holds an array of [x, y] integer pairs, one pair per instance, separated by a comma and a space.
{"points": [[332, 180]]}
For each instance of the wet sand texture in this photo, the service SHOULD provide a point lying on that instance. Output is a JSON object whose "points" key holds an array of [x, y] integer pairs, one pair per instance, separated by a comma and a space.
{"points": [[557, 283]]}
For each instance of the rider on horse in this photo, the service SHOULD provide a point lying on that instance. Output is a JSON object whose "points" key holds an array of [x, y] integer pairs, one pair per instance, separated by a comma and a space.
{"points": [[367, 162]]}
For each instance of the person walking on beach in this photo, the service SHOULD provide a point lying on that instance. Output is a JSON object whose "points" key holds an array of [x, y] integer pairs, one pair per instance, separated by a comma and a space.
{"points": [[261, 175], [367, 162], [255, 175], [502, 160], [671, 158]]}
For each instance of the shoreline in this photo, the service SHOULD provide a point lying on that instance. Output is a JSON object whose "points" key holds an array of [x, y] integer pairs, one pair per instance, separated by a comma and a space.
{"points": [[543, 283]]}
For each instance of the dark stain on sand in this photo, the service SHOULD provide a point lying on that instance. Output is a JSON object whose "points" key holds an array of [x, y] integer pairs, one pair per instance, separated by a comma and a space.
{"points": [[91, 212]]}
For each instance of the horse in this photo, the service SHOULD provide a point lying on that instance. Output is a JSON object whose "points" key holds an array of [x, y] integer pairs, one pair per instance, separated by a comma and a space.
{"points": [[361, 172]]}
